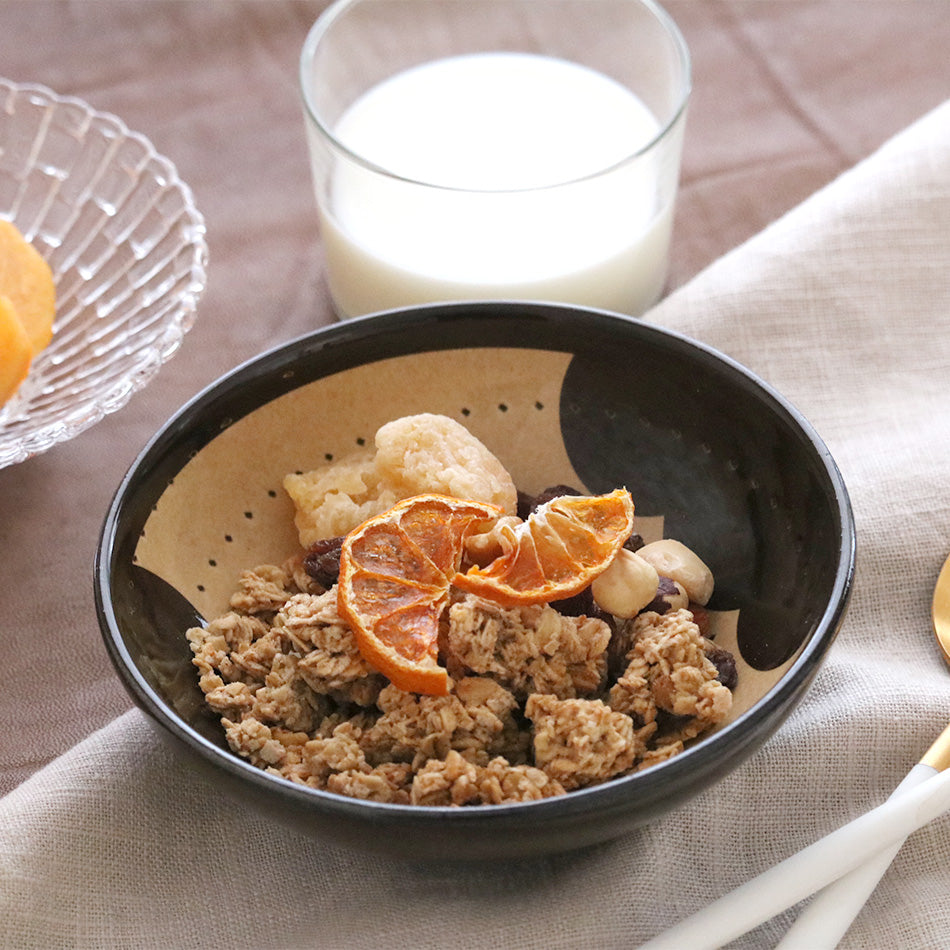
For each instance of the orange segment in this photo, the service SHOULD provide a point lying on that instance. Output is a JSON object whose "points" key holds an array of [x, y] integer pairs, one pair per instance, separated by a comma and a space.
{"points": [[16, 351], [26, 279], [556, 553], [395, 573]]}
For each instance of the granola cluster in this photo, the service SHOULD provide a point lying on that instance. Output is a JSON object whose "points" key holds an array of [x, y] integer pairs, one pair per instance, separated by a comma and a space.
{"points": [[541, 701]]}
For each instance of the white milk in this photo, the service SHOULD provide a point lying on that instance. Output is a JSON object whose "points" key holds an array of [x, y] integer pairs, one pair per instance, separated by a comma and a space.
{"points": [[529, 194]]}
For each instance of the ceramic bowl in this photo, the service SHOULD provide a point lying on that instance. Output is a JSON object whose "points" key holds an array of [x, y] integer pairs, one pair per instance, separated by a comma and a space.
{"points": [[711, 455], [127, 249]]}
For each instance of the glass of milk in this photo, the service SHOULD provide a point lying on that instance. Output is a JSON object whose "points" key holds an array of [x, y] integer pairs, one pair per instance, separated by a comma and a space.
{"points": [[495, 149]]}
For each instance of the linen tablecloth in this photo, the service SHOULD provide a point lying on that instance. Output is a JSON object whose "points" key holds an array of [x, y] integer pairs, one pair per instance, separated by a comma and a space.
{"points": [[842, 304]]}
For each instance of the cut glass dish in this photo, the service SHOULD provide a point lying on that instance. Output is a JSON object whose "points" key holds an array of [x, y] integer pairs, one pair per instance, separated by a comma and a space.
{"points": [[127, 248]]}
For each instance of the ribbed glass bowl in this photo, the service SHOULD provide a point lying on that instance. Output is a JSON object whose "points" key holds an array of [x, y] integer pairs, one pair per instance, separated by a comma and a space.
{"points": [[128, 253]]}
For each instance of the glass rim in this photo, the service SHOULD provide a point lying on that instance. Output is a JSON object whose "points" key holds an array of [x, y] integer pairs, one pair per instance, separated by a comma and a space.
{"points": [[332, 13]]}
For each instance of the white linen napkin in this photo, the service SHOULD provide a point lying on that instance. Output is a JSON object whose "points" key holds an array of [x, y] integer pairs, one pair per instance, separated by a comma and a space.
{"points": [[844, 307]]}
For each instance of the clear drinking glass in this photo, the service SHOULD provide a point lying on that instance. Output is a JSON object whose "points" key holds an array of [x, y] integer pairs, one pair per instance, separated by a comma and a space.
{"points": [[495, 149]]}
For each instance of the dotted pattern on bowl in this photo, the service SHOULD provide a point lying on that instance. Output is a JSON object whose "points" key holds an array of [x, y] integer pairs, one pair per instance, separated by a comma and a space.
{"points": [[244, 519]]}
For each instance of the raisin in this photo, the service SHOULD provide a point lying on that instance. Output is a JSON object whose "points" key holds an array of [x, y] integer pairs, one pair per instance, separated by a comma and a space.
{"points": [[322, 561], [617, 649], [667, 722], [528, 503], [725, 663], [634, 542], [579, 605], [525, 505], [555, 491], [665, 589], [700, 618]]}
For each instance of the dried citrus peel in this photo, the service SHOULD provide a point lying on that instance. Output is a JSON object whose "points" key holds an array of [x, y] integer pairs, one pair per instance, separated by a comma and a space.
{"points": [[16, 352], [27, 307], [26, 279], [556, 553], [396, 570]]}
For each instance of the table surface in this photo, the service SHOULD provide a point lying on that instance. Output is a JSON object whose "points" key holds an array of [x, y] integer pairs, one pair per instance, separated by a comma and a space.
{"points": [[787, 95]]}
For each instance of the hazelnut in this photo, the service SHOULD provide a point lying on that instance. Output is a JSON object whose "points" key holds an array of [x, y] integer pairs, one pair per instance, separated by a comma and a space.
{"points": [[627, 586], [674, 560]]}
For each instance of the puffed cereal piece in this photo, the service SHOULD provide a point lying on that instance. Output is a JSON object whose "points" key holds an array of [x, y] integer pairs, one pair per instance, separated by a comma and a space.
{"points": [[433, 453], [413, 455], [333, 499]]}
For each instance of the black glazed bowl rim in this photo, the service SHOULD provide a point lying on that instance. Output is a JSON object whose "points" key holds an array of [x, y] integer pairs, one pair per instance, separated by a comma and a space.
{"points": [[440, 327]]}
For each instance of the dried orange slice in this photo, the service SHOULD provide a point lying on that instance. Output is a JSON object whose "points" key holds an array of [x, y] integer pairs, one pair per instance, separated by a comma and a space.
{"points": [[26, 279], [395, 573], [556, 553]]}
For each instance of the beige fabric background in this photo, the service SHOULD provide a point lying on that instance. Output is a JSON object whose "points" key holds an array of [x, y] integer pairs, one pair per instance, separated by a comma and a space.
{"points": [[844, 305]]}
